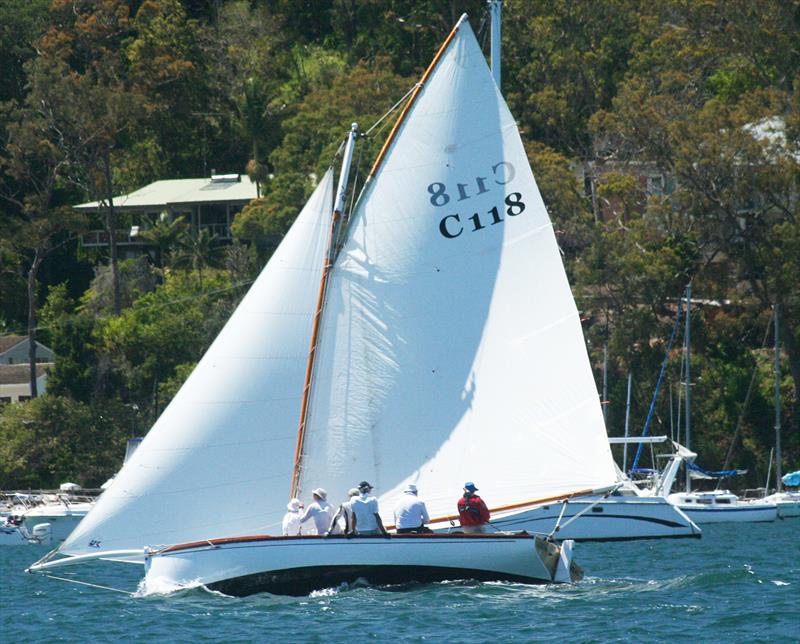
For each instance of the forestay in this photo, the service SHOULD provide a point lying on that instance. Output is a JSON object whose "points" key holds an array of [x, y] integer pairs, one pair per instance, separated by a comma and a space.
{"points": [[218, 462], [451, 347]]}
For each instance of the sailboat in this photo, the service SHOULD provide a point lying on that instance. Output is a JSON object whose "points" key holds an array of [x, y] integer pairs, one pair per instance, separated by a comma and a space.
{"points": [[445, 346], [787, 502], [714, 506]]}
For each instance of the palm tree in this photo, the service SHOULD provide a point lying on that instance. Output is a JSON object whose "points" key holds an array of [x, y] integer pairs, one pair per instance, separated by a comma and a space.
{"points": [[199, 251], [163, 234]]}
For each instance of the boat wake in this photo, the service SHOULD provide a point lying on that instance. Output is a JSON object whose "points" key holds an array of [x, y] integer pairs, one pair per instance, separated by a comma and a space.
{"points": [[162, 587]]}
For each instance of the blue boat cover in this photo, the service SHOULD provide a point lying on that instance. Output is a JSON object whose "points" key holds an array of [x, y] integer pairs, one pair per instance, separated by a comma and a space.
{"points": [[792, 479], [715, 475]]}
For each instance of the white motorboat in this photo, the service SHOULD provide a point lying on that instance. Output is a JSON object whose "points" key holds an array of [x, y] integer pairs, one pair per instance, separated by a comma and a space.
{"points": [[62, 511], [13, 533], [431, 317]]}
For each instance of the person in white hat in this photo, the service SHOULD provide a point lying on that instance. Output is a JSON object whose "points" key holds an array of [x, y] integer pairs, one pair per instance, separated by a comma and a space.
{"points": [[410, 513], [291, 520], [343, 519], [320, 511]]}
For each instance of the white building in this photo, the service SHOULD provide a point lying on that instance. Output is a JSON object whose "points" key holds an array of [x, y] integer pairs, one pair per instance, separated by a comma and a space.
{"points": [[15, 371]]}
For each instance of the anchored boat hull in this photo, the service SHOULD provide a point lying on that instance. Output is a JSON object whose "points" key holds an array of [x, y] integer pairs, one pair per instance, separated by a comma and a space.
{"points": [[300, 565], [611, 519]]}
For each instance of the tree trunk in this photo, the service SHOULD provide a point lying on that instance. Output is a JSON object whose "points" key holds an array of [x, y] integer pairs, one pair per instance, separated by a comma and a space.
{"points": [[111, 227], [32, 308]]}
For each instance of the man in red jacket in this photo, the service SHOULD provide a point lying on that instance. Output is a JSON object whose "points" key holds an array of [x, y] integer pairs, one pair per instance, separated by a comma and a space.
{"points": [[472, 511]]}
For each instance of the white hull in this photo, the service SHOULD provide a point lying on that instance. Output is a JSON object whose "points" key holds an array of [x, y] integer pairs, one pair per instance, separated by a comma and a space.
{"points": [[299, 565], [612, 519], [61, 523], [788, 503], [722, 507]]}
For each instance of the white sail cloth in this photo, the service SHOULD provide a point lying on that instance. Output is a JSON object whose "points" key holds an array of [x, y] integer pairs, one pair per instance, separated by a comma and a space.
{"points": [[218, 462], [451, 347]]}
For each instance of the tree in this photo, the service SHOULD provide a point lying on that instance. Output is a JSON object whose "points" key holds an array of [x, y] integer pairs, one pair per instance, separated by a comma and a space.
{"points": [[34, 165], [53, 439], [80, 82], [707, 101], [163, 233]]}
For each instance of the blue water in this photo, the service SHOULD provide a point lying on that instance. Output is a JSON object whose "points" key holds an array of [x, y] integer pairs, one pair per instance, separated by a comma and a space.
{"points": [[740, 583]]}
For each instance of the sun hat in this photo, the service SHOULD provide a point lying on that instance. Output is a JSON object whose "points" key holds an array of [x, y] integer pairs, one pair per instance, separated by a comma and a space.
{"points": [[320, 493], [469, 485], [293, 505], [353, 491], [410, 489]]}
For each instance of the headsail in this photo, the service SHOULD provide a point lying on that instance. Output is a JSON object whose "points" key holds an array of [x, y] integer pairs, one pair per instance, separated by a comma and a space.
{"points": [[451, 346], [218, 462]]}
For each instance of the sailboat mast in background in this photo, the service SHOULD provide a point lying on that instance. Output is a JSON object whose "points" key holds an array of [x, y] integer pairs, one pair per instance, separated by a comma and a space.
{"points": [[688, 358], [778, 472]]}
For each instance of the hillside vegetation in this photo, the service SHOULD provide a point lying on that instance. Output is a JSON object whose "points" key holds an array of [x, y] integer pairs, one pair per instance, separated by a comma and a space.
{"points": [[100, 97]]}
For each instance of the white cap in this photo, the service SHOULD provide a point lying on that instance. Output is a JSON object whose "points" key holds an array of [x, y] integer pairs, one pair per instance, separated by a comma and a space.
{"points": [[410, 489], [353, 491], [293, 505], [320, 493]]}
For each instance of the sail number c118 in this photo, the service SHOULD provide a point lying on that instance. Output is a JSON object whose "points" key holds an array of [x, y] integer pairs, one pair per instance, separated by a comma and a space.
{"points": [[451, 226]]}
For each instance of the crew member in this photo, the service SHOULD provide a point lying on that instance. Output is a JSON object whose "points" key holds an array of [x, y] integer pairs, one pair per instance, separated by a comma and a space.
{"points": [[472, 511], [410, 513], [320, 511], [366, 520], [291, 520], [343, 519]]}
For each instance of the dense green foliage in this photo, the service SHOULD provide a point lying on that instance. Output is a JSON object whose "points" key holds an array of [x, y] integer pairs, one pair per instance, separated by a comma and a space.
{"points": [[99, 97]]}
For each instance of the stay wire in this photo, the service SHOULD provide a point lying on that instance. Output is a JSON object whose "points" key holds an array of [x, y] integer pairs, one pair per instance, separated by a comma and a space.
{"points": [[86, 583]]}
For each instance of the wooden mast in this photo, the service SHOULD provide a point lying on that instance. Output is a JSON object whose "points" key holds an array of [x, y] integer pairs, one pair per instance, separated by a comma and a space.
{"points": [[413, 98], [338, 207]]}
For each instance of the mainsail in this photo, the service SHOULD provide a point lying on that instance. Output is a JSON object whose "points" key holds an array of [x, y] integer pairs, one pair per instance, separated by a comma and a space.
{"points": [[451, 347], [218, 462]]}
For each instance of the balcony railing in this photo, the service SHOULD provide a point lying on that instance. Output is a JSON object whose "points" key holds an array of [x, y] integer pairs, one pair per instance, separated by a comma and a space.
{"points": [[124, 238], [100, 238]]}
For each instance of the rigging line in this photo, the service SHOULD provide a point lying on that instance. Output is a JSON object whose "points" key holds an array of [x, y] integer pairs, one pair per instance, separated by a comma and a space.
{"points": [[585, 510], [392, 109], [650, 411], [746, 404], [86, 583]]}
